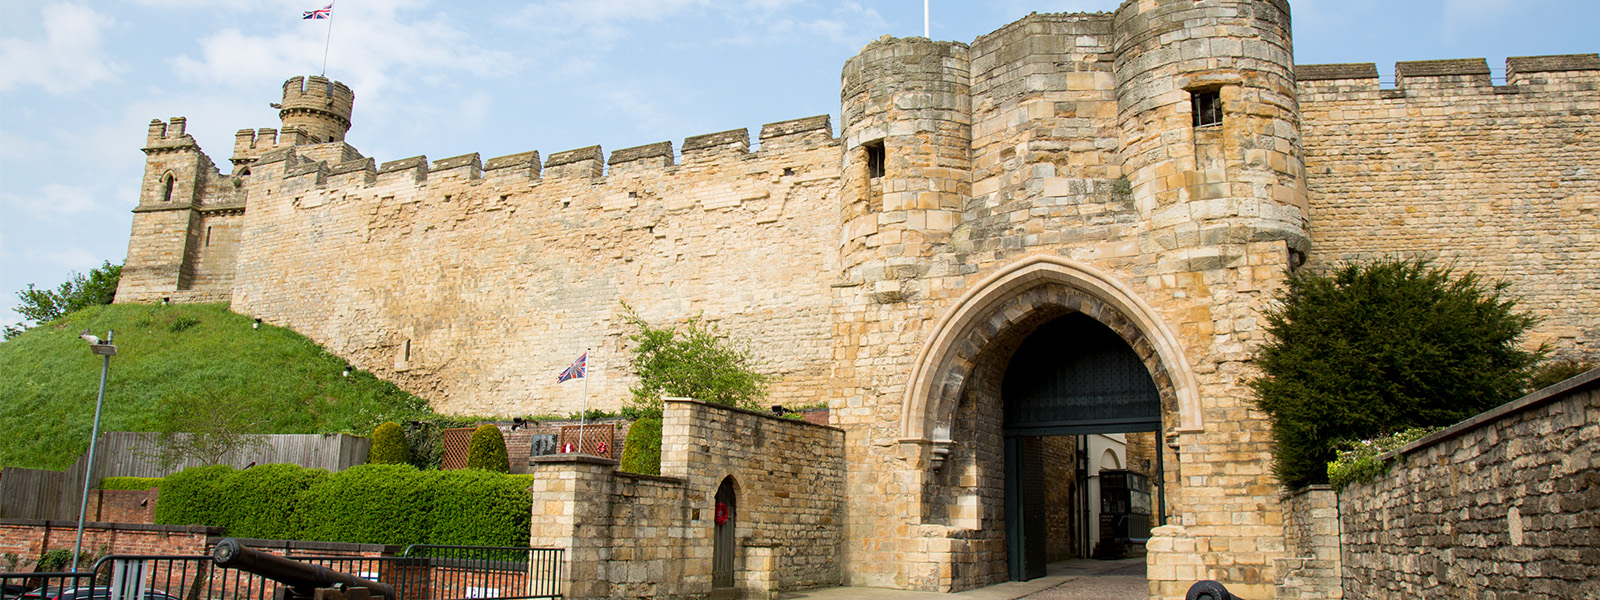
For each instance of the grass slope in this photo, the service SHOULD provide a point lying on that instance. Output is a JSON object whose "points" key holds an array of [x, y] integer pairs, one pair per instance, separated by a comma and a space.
{"points": [[166, 354]]}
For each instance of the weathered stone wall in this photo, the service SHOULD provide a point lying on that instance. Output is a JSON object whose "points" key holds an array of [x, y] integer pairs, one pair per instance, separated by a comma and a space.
{"points": [[1311, 569], [473, 286], [632, 535], [1505, 504], [1502, 180]]}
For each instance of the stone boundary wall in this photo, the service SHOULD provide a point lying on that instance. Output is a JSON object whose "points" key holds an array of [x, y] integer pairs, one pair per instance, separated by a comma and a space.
{"points": [[1311, 570], [1503, 505], [631, 535]]}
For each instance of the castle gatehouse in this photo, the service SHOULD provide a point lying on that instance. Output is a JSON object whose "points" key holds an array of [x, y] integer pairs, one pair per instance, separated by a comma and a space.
{"points": [[1061, 232]]}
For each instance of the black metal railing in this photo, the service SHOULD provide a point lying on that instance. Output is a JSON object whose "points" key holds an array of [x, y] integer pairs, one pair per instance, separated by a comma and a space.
{"points": [[422, 573]]}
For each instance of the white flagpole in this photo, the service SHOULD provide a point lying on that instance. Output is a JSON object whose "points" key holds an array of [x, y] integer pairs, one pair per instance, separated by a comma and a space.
{"points": [[583, 417], [925, 20], [329, 41]]}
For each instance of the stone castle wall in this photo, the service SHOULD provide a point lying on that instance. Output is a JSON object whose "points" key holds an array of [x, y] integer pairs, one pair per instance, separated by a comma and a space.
{"points": [[1501, 505], [1503, 180], [473, 286]]}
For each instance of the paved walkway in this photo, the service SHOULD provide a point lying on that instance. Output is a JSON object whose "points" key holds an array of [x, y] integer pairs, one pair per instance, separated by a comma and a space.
{"points": [[1065, 580]]}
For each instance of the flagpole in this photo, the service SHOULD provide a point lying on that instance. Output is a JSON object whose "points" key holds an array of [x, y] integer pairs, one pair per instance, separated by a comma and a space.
{"points": [[329, 41], [584, 416], [924, 20]]}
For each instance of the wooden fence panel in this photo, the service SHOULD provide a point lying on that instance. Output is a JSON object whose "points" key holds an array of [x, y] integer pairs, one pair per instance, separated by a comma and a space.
{"points": [[41, 494]]}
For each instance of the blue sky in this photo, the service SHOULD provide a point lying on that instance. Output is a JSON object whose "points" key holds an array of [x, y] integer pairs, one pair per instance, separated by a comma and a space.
{"points": [[79, 81]]}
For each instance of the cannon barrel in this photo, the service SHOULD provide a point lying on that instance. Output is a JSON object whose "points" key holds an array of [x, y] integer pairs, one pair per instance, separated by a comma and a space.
{"points": [[301, 576]]}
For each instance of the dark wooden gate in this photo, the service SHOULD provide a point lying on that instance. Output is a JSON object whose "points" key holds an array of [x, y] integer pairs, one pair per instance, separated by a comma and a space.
{"points": [[723, 560], [1071, 376], [1026, 526]]}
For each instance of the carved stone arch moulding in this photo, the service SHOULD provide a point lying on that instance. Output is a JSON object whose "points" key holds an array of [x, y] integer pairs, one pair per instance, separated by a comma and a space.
{"points": [[1010, 295]]}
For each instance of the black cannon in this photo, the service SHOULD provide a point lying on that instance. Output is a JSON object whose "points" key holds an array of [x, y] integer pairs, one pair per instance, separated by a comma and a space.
{"points": [[301, 581]]}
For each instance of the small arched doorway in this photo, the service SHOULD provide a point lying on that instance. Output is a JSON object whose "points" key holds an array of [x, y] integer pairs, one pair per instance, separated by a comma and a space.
{"points": [[1072, 376], [723, 543]]}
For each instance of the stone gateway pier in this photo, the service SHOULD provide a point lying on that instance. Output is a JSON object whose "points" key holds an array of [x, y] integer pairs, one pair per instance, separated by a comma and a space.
{"points": [[1068, 227]]}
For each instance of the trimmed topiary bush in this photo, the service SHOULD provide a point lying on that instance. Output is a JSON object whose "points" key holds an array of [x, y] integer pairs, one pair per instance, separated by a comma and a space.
{"points": [[487, 450], [1377, 348], [130, 483], [389, 446], [641, 452]]}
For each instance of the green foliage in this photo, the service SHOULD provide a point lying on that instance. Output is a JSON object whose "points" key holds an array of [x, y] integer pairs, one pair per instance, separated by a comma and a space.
{"points": [[641, 452], [188, 496], [130, 483], [425, 438], [479, 508], [374, 504], [389, 446], [1360, 461], [1379, 347], [76, 293], [1556, 371], [487, 450], [272, 374], [693, 363]]}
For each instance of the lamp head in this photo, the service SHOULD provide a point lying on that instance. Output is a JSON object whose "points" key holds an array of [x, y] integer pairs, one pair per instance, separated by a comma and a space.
{"points": [[89, 337]]}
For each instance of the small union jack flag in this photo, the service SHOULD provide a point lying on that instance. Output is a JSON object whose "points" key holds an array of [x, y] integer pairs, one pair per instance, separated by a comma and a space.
{"points": [[578, 369], [325, 12]]}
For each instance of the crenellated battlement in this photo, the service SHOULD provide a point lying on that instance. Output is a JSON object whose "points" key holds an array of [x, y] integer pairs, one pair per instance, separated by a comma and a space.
{"points": [[1454, 77], [169, 135]]}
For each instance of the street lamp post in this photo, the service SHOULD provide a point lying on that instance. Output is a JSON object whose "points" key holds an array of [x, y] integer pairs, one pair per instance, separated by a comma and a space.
{"points": [[106, 350]]}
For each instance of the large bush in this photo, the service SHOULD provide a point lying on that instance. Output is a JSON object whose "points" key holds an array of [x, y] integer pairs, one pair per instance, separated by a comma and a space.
{"points": [[1377, 348], [373, 504], [487, 450], [641, 452], [389, 446]]}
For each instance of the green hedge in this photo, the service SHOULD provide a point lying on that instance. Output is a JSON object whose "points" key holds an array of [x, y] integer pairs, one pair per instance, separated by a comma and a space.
{"points": [[373, 504], [130, 483], [641, 451]]}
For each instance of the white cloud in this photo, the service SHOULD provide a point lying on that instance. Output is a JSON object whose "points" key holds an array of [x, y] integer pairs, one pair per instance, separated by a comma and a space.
{"points": [[374, 47], [68, 58]]}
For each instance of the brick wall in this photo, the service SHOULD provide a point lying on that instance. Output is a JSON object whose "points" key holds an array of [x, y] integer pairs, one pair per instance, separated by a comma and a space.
{"points": [[1503, 505], [30, 538], [124, 506]]}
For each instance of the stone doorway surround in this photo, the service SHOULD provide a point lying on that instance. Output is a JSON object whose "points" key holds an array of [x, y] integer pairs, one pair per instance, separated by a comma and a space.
{"points": [[1010, 295]]}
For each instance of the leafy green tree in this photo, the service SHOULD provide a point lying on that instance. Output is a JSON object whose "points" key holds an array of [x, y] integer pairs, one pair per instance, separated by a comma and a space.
{"points": [[641, 452], [1378, 348], [487, 450], [389, 446], [693, 363], [78, 292]]}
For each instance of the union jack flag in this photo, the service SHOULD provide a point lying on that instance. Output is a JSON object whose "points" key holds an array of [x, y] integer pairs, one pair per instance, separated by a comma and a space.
{"points": [[578, 369], [325, 12]]}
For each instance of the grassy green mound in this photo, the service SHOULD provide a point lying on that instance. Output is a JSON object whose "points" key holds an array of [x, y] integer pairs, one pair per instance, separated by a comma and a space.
{"points": [[169, 360]]}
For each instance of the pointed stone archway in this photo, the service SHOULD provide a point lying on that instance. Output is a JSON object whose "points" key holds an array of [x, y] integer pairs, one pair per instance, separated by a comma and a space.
{"points": [[1018, 294]]}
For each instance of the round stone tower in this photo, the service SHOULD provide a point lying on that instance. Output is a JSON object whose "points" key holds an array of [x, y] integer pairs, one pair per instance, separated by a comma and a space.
{"points": [[317, 106], [1211, 127], [907, 132]]}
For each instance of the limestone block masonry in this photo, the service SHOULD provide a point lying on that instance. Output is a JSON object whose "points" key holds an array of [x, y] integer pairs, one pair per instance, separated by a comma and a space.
{"points": [[1160, 170]]}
